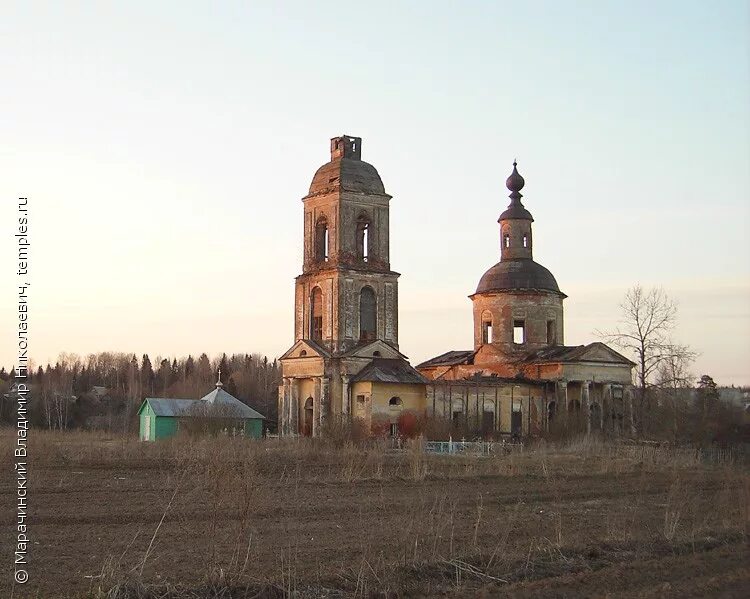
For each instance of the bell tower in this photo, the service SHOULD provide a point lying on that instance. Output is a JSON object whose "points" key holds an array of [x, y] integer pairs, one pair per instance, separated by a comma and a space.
{"points": [[347, 293]]}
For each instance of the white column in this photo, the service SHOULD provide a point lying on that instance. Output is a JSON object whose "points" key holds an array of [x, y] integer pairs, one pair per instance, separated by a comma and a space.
{"points": [[284, 401], [316, 407], [345, 409], [293, 407], [561, 396], [325, 407], [606, 401], [627, 394], [585, 385]]}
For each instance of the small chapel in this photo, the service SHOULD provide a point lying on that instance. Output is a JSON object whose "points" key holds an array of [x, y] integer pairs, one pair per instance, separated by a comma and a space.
{"points": [[518, 379]]}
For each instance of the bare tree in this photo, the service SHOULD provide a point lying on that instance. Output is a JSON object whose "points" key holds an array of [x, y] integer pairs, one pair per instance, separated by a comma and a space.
{"points": [[644, 331], [674, 381]]}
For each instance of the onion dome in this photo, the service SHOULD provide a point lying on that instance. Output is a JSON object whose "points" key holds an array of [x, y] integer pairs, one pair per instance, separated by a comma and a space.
{"points": [[515, 182], [515, 209]]}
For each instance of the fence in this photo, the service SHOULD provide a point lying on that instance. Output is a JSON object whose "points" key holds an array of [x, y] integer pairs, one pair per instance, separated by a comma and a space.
{"points": [[472, 447]]}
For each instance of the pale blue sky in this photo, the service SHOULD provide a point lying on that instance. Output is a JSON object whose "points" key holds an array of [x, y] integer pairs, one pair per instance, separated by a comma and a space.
{"points": [[165, 148]]}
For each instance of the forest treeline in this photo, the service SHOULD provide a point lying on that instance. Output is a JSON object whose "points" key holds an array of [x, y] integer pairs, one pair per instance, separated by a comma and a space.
{"points": [[105, 390]]}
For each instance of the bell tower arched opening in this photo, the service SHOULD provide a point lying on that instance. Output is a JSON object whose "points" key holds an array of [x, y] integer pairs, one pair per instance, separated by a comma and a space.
{"points": [[368, 317], [321, 240]]}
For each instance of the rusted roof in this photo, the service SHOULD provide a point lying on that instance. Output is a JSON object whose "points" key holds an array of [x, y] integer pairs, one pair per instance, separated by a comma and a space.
{"points": [[449, 358], [486, 379], [554, 354], [574, 353], [389, 370]]}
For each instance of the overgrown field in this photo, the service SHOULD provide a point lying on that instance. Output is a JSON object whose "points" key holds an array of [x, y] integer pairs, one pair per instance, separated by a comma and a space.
{"points": [[235, 518]]}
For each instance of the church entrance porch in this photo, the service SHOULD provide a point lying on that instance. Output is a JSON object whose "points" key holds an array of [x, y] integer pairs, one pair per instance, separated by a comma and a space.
{"points": [[303, 405]]}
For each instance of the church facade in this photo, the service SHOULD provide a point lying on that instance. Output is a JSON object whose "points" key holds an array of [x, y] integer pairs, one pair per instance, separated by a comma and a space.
{"points": [[519, 378]]}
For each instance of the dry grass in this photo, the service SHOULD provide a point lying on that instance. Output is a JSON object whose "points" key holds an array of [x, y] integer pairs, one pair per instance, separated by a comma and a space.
{"points": [[240, 518]]}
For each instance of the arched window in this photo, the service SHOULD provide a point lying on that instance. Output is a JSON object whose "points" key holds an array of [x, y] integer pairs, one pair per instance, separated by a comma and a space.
{"points": [[525, 240], [395, 402], [368, 319], [506, 240], [316, 313], [363, 239], [321, 240]]}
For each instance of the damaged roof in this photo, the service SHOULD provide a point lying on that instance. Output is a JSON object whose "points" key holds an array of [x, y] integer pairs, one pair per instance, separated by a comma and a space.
{"points": [[573, 353], [346, 174], [389, 370], [553, 354], [449, 358]]}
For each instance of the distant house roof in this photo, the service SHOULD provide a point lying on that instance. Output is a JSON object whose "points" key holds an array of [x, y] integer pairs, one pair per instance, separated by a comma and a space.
{"points": [[163, 406], [389, 370]]}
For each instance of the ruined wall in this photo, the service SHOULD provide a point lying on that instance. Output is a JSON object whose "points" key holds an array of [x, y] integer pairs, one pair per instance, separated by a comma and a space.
{"points": [[502, 399], [599, 372]]}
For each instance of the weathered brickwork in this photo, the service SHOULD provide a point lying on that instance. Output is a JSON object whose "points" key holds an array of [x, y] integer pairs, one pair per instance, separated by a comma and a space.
{"points": [[520, 375], [518, 379], [535, 309], [346, 299]]}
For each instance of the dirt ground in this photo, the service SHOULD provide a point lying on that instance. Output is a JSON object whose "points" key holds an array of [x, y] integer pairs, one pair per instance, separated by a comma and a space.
{"points": [[201, 518]]}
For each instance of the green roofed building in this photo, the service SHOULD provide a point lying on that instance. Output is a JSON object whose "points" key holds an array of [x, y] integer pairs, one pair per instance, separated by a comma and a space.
{"points": [[217, 411]]}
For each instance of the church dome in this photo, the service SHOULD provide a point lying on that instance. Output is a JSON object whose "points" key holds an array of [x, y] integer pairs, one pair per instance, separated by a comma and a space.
{"points": [[515, 182], [347, 174], [523, 273]]}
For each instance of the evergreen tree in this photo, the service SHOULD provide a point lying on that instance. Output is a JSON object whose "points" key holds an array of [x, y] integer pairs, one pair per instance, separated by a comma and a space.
{"points": [[174, 375], [147, 376], [226, 371], [708, 393]]}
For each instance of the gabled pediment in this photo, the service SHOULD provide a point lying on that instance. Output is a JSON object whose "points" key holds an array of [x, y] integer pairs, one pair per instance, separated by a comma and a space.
{"points": [[383, 349], [306, 349], [599, 352]]}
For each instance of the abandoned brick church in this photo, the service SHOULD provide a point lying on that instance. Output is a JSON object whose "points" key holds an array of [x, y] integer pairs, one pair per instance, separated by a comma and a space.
{"points": [[518, 379]]}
